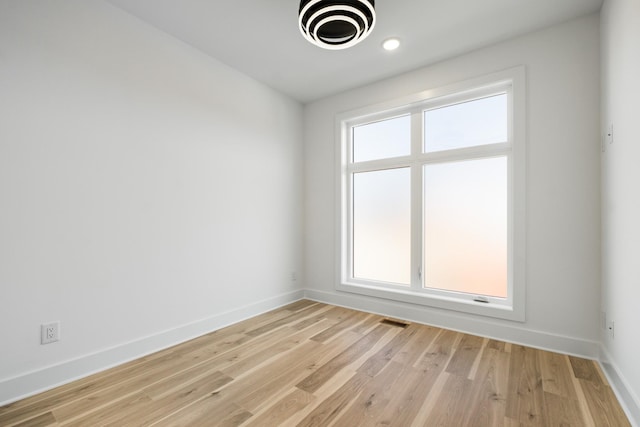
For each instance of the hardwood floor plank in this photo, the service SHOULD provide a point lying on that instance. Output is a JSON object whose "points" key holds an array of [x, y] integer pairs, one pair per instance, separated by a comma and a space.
{"points": [[223, 359], [476, 363], [209, 343], [480, 401], [313, 364], [375, 397], [417, 345], [562, 411], [146, 411], [348, 322], [600, 371], [205, 412], [43, 402], [556, 378], [357, 362], [317, 316], [585, 369], [255, 355], [82, 387], [127, 377], [438, 354], [407, 404], [319, 377], [339, 314], [582, 401], [496, 345], [603, 406], [452, 400], [419, 381], [374, 364], [111, 413], [465, 356], [260, 382], [525, 401], [238, 329], [431, 400], [280, 412], [254, 391], [184, 396], [332, 407], [283, 374], [45, 420], [107, 396], [367, 325], [233, 419], [300, 314], [300, 305], [492, 379], [510, 422]]}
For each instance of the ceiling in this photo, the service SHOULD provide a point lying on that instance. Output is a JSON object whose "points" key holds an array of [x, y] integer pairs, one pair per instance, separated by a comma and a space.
{"points": [[261, 39]]}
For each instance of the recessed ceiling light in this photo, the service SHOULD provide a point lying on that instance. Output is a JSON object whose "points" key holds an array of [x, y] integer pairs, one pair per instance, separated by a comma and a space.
{"points": [[391, 44], [336, 24]]}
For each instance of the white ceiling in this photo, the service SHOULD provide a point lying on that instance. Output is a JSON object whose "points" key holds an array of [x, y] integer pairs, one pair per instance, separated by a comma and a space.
{"points": [[261, 39]]}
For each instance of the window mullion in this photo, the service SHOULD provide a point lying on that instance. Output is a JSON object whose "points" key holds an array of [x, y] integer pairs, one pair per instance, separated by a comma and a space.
{"points": [[417, 272]]}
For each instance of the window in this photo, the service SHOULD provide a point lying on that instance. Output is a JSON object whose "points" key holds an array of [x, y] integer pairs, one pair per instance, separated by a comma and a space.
{"points": [[432, 198]]}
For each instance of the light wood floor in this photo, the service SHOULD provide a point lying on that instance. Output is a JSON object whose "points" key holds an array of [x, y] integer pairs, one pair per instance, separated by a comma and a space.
{"points": [[312, 364]]}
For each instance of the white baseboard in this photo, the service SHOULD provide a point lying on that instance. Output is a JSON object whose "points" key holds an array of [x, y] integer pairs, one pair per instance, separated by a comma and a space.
{"points": [[31, 383], [628, 399], [451, 320]]}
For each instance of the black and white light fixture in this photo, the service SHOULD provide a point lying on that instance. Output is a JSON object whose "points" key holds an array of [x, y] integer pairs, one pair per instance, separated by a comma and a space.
{"points": [[335, 24]]}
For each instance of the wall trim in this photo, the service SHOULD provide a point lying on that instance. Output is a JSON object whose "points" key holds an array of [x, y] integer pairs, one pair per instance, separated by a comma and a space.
{"points": [[627, 398], [31, 383], [451, 320]]}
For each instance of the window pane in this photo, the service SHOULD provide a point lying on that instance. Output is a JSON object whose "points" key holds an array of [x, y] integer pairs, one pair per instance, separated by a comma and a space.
{"points": [[382, 225], [383, 139], [465, 226], [478, 122]]}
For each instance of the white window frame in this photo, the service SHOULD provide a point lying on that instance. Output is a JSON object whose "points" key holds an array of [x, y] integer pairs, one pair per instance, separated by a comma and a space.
{"points": [[511, 81]]}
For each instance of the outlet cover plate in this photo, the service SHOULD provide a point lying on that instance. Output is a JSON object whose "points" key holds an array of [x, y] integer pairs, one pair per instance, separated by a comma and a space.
{"points": [[49, 332]]}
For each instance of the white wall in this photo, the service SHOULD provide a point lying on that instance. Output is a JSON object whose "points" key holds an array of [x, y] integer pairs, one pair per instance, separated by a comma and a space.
{"points": [[620, 20], [143, 187], [563, 185]]}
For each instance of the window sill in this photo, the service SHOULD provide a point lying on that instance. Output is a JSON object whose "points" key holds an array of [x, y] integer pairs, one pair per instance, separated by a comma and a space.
{"points": [[447, 303]]}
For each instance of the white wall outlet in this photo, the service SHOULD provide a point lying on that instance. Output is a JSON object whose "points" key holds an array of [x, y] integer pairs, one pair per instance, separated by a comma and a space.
{"points": [[49, 332], [612, 329], [294, 276], [609, 136]]}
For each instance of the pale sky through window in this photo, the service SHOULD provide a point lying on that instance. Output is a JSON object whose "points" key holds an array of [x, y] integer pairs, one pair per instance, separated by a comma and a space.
{"points": [[383, 139]]}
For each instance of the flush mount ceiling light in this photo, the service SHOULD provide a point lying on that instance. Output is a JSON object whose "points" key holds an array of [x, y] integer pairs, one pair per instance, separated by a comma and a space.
{"points": [[333, 24]]}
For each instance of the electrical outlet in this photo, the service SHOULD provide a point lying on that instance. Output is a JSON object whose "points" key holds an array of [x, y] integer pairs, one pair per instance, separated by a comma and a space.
{"points": [[293, 276], [612, 329], [49, 332]]}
